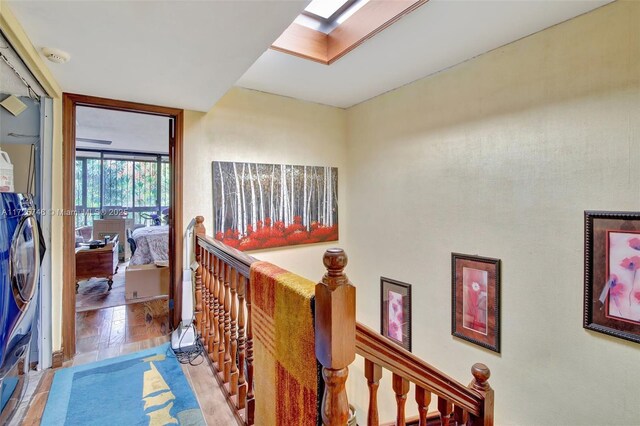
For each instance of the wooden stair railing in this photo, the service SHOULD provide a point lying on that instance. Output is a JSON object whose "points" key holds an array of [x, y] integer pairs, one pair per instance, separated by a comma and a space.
{"points": [[456, 403], [223, 321]]}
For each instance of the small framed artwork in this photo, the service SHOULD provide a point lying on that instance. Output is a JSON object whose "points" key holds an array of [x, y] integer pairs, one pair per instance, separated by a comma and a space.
{"points": [[395, 309], [475, 300], [611, 278]]}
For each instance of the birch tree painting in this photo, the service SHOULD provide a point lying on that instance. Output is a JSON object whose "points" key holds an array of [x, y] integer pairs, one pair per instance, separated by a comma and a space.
{"points": [[259, 206]]}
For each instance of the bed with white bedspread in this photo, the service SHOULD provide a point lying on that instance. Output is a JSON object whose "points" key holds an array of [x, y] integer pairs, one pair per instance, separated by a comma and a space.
{"points": [[152, 245]]}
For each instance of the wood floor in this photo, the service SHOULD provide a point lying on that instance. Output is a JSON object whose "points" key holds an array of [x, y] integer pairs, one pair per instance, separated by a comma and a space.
{"points": [[99, 332], [110, 332], [212, 402], [95, 294]]}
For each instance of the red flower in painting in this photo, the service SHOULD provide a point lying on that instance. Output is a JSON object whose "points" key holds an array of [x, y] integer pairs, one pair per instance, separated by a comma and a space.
{"points": [[294, 227], [219, 236], [631, 263], [322, 233], [249, 244], [636, 295], [297, 219], [634, 243], [274, 242], [267, 222], [297, 237], [231, 242]]}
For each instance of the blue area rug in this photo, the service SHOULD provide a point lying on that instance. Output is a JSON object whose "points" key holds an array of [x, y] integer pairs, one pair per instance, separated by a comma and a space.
{"points": [[142, 388]]}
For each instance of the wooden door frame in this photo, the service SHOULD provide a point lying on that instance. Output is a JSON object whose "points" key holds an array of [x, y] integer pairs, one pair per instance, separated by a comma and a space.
{"points": [[69, 103]]}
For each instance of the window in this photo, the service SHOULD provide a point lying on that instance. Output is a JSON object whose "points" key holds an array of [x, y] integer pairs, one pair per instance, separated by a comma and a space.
{"points": [[327, 10], [329, 29], [106, 180]]}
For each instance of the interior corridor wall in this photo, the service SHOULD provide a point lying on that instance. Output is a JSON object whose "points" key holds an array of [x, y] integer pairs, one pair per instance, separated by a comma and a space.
{"points": [[250, 126], [500, 156]]}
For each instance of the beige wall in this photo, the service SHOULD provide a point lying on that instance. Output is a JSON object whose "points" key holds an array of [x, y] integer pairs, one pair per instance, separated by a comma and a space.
{"points": [[500, 156], [247, 125]]}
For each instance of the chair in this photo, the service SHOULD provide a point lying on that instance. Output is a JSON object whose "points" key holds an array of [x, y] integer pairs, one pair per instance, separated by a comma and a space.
{"points": [[131, 241], [85, 233]]}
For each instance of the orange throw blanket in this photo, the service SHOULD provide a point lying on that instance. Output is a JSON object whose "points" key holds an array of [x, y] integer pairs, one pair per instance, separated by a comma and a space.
{"points": [[286, 381]]}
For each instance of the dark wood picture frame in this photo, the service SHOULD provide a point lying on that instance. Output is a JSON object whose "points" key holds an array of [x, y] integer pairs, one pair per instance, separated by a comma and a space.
{"points": [[403, 330], [611, 257], [476, 280]]}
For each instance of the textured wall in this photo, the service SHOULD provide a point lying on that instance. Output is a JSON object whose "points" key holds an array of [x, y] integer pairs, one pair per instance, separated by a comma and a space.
{"points": [[500, 156], [251, 126]]}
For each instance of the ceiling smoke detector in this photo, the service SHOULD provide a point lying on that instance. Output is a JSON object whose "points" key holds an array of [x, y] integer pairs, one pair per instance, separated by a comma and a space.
{"points": [[55, 55]]}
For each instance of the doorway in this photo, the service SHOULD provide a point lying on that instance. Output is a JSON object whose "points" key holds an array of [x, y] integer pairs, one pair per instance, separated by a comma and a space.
{"points": [[100, 193]]}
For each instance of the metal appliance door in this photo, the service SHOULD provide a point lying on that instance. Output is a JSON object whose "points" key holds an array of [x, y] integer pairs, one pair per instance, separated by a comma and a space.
{"points": [[24, 261]]}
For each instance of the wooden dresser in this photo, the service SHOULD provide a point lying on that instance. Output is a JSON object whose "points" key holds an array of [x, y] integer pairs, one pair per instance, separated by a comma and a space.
{"points": [[97, 263]]}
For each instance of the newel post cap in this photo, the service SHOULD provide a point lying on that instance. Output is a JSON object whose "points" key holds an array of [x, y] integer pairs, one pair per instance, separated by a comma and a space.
{"points": [[481, 374]]}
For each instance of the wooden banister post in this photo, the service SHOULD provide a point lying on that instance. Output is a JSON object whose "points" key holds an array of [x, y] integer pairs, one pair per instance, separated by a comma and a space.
{"points": [[480, 383], [401, 388], [373, 373], [335, 335], [199, 229]]}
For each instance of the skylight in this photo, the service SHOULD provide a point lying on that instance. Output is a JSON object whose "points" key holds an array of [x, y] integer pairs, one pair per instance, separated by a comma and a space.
{"points": [[327, 9]]}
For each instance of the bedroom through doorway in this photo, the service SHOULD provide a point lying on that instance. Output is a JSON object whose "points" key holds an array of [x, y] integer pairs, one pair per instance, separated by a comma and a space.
{"points": [[123, 248], [122, 227]]}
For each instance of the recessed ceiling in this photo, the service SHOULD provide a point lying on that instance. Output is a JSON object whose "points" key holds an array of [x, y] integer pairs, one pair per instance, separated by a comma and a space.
{"points": [[183, 54], [127, 131], [436, 36]]}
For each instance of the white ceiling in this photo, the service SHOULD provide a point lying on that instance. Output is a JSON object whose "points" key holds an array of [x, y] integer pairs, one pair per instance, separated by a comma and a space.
{"points": [[128, 131], [436, 36], [183, 54]]}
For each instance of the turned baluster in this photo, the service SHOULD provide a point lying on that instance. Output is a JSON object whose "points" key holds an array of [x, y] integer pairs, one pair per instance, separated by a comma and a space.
{"points": [[251, 403], [373, 373], [198, 229], [233, 374], [335, 336], [213, 349], [224, 271], [401, 388], [423, 399], [212, 281], [242, 387], [445, 408], [205, 297], [227, 324], [480, 383], [459, 415]]}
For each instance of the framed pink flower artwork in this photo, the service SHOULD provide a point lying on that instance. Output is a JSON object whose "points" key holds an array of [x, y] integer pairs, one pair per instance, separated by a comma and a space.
{"points": [[612, 276], [395, 312], [475, 307]]}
